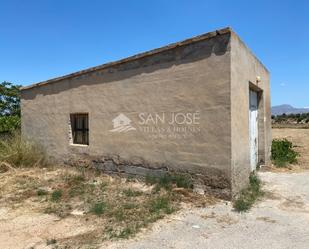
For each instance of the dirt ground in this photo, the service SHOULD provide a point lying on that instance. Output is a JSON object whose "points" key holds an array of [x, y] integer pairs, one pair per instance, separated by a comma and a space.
{"points": [[62, 207], [279, 220]]}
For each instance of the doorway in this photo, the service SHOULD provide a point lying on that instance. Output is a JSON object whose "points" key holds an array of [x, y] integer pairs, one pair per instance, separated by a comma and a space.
{"points": [[253, 129]]}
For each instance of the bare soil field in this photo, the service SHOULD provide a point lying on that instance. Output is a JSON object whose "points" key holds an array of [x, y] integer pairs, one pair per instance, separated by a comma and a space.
{"points": [[300, 139], [290, 126]]}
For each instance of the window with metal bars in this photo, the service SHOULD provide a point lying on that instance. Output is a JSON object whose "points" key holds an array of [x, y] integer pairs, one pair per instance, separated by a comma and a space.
{"points": [[80, 128]]}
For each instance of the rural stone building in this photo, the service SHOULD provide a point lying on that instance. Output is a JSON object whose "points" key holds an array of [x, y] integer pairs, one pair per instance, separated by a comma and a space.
{"points": [[200, 106]]}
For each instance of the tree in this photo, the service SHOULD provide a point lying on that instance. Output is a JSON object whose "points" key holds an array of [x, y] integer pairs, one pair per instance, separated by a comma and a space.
{"points": [[9, 107]]}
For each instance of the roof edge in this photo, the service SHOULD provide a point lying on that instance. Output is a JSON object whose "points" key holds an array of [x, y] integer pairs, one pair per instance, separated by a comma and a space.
{"points": [[134, 57]]}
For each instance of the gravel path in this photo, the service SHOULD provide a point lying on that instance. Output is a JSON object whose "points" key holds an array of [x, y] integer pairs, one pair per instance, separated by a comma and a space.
{"points": [[280, 220]]}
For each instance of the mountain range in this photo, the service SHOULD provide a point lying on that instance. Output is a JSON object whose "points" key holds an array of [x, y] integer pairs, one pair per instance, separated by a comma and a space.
{"points": [[287, 109]]}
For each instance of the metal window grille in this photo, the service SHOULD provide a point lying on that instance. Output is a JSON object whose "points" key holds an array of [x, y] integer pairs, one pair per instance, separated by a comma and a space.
{"points": [[80, 128]]}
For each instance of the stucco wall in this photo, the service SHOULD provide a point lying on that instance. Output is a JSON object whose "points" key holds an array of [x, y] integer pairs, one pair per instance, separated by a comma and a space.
{"points": [[187, 79], [245, 68]]}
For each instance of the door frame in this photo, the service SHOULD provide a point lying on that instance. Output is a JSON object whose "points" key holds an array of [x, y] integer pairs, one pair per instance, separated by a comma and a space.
{"points": [[257, 126]]}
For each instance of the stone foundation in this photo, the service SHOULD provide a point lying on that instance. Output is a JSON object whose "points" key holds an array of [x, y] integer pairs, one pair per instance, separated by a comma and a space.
{"points": [[211, 182]]}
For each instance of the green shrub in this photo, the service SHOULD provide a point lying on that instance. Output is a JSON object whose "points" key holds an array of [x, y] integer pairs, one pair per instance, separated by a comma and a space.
{"points": [[182, 181], [9, 124], [242, 205], [51, 241], [255, 183], [98, 208], [166, 181], [19, 152], [249, 195], [41, 192], [56, 195], [282, 152], [9, 107]]}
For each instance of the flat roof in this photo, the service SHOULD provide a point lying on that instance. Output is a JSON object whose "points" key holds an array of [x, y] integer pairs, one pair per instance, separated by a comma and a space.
{"points": [[134, 57]]}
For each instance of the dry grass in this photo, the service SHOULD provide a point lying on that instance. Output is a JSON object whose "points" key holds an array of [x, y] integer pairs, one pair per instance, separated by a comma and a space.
{"points": [[18, 152], [117, 207]]}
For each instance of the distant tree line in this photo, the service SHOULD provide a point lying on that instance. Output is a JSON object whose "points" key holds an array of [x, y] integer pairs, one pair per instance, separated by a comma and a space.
{"points": [[299, 118], [9, 107]]}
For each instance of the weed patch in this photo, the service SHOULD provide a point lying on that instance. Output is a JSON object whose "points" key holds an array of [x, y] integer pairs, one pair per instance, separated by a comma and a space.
{"points": [[132, 193], [123, 233], [51, 242], [161, 203], [183, 181], [41, 192], [169, 180], [56, 195], [122, 208], [126, 233], [249, 196], [98, 208], [119, 215], [19, 152]]}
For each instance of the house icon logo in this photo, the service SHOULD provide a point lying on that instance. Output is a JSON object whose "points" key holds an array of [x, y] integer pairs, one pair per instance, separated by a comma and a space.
{"points": [[122, 124]]}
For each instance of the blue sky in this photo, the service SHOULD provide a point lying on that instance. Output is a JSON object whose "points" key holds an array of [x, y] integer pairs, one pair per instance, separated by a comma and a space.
{"points": [[41, 39]]}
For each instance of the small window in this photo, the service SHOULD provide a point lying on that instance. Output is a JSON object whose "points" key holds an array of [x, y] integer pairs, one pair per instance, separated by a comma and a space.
{"points": [[80, 128]]}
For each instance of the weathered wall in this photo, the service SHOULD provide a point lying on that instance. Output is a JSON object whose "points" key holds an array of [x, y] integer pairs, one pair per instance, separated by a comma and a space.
{"points": [[191, 78], [245, 68]]}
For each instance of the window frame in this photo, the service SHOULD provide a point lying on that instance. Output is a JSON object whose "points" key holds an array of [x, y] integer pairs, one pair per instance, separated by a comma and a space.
{"points": [[84, 129]]}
